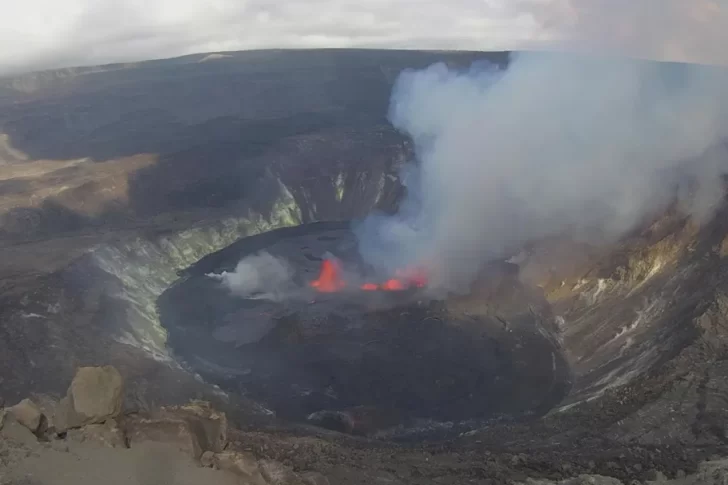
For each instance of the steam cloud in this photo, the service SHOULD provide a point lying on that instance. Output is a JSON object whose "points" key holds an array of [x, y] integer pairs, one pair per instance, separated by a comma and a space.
{"points": [[261, 276], [553, 143]]}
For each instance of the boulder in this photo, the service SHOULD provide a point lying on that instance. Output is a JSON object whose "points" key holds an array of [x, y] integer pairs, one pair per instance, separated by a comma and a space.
{"points": [[17, 433], [207, 460], [95, 395], [64, 418], [48, 405], [211, 424], [28, 414], [108, 435], [242, 464], [193, 428], [2, 418], [168, 430]]}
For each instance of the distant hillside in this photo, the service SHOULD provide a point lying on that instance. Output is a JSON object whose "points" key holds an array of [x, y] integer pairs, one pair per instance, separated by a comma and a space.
{"points": [[212, 123]]}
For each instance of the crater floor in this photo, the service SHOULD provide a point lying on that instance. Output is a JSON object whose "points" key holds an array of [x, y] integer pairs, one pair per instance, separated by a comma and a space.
{"points": [[364, 361]]}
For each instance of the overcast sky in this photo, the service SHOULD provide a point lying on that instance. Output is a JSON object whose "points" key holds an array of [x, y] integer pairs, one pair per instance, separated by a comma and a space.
{"points": [[38, 34]]}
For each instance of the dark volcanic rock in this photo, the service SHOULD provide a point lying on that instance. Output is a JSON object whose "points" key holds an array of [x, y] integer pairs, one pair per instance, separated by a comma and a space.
{"points": [[212, 131]]}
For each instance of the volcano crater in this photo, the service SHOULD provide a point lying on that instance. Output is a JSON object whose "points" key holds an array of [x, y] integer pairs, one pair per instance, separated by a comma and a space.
{"points": [[364, 361]]}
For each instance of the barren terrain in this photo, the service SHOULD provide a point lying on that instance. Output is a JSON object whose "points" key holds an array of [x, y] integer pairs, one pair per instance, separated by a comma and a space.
{"points": [[122, 186]]}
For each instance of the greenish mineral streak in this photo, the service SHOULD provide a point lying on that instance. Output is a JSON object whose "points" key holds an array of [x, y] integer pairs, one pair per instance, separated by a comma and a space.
{"points": [[285, 211], [146, 268], [339, 183], [7, 148]]}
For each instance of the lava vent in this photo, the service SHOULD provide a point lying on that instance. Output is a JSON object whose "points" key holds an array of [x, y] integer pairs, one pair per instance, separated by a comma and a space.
{"points": [[332, 341]]}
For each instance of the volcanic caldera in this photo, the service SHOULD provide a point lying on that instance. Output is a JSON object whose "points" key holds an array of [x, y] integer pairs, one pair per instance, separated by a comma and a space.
{"points": [[135, 197], [325, 347]]}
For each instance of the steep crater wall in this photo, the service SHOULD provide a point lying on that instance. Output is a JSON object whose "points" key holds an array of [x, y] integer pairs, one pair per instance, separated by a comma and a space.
{"points": [[144, 268], [102, 306], [642, 325]]}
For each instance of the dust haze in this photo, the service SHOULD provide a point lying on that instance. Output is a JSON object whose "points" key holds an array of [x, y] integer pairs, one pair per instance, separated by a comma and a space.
{"points": [[553, 144]]}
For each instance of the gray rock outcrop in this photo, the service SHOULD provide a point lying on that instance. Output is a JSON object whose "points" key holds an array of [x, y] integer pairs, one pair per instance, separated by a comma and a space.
{"points": [[27, 413]]}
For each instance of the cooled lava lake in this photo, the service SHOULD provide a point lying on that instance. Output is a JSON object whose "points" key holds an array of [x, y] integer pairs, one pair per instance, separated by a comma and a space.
{"points": [[386, 347]]}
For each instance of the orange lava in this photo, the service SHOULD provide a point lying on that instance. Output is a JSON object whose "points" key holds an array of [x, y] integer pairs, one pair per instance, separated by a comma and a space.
{"points": [[393, 285], [330, 280]]}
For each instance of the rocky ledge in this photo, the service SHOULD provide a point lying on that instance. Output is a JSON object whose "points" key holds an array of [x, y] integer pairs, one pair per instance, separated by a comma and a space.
{"points": [[87, 436]]}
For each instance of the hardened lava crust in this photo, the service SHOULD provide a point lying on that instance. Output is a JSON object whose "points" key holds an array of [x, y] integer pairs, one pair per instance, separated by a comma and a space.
{"points": [[401, 355]]}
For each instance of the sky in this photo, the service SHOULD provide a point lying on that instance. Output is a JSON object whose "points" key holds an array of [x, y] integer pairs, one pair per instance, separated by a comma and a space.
{"points": [[43, 34]]}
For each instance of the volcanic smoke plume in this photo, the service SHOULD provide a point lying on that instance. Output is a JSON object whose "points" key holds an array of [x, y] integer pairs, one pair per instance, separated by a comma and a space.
{"points": [[260, 276], [553, 144]]}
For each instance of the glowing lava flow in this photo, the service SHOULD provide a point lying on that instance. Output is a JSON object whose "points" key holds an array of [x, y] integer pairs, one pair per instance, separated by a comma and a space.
{"points": [[330, 280], [392, 285]]}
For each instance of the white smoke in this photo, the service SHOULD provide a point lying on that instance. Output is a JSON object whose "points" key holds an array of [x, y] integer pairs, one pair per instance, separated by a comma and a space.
{"points": [[260, 276], [554, 143]]}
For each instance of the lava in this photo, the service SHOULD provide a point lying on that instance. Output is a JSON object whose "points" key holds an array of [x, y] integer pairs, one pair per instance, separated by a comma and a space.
{"points": [[331, 281], [393, 284]]}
